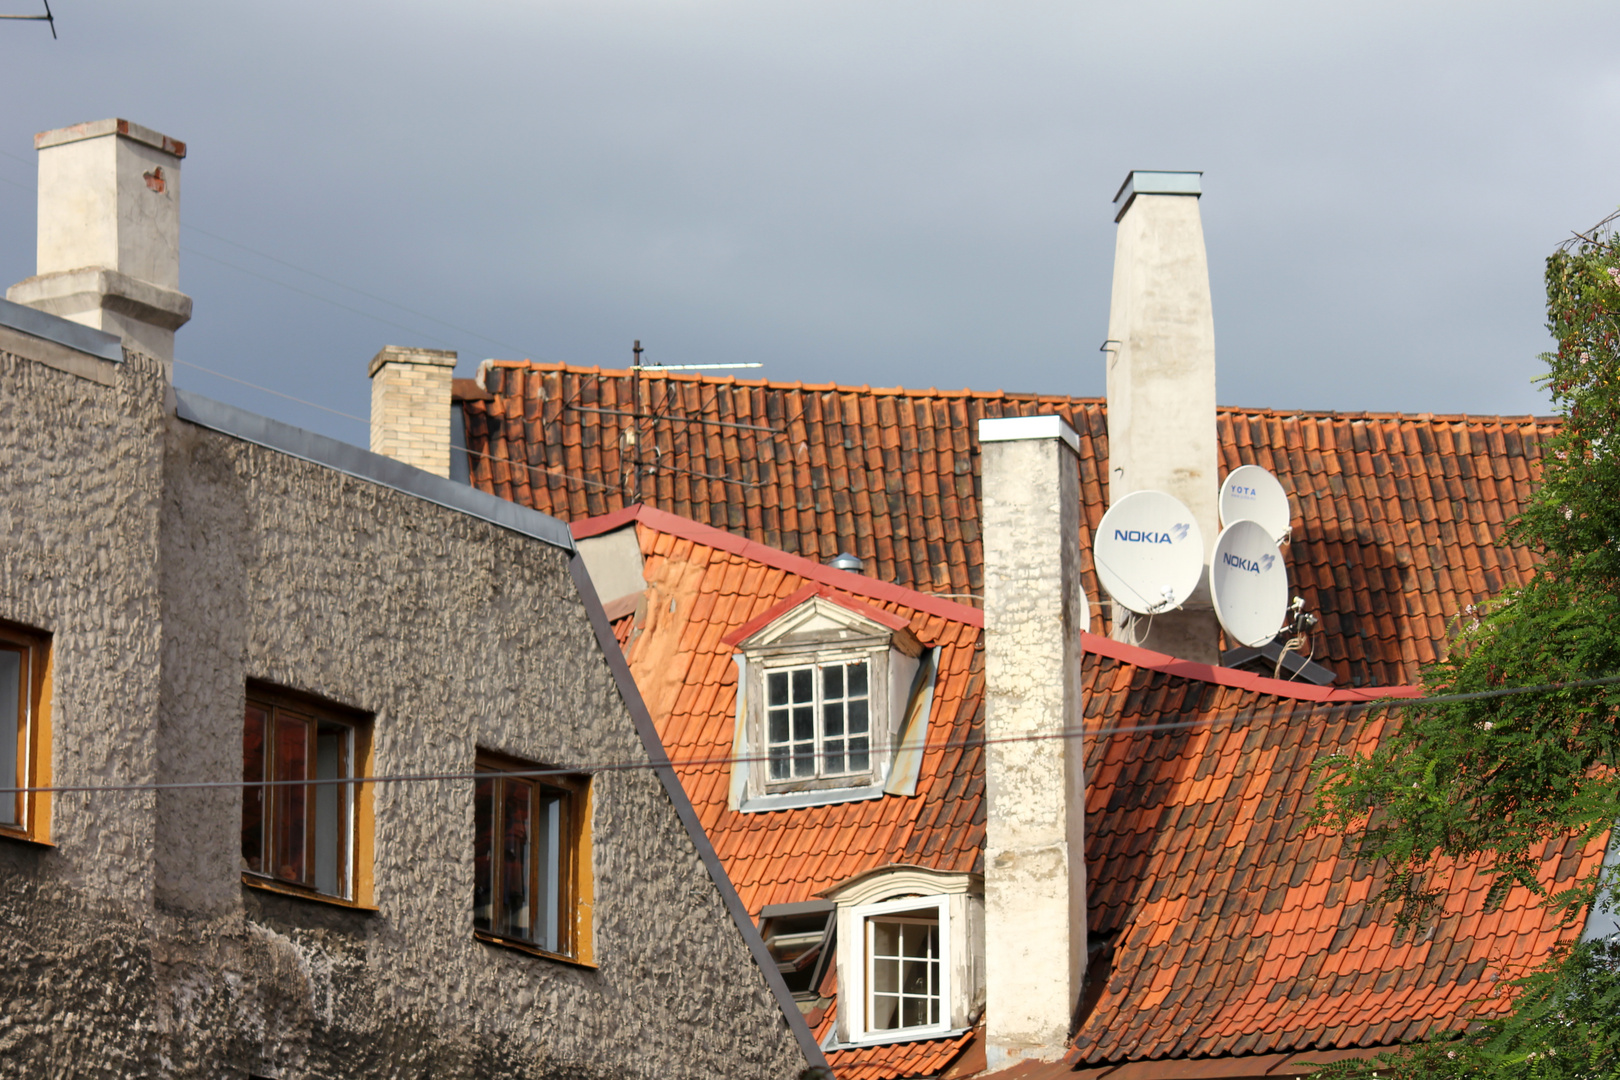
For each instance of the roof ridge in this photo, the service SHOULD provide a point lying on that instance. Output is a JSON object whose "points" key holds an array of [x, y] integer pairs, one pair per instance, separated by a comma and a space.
{"points": [[800, 386]]}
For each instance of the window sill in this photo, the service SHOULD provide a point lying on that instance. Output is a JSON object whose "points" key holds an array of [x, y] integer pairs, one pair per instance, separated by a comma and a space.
{"points": [[794, 800], [282, 888], [23, 837], [533, 950], [889, 1038]]}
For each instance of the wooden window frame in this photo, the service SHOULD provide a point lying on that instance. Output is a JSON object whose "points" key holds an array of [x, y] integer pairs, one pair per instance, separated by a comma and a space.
{"points": [[31, 809], [355, 833], [861, 993], [575, 886], [819, 737]]}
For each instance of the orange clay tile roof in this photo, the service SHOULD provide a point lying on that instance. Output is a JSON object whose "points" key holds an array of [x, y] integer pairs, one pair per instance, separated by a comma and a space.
{"points": [[1234, 928], [1396, 516]]}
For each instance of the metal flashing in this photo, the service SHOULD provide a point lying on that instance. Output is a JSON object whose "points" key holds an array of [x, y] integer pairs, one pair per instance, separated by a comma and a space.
{"points": [[1156, 182], [364, 465], [1013, 428], [48, 327], [798, 800]]}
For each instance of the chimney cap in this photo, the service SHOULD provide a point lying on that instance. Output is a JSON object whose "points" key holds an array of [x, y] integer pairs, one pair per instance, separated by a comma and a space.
{"points": [[846, 561], [404, 354], [95, 129], [1157, 182]]}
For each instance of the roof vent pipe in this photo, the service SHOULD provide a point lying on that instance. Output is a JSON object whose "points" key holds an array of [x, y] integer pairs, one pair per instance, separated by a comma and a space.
{"points": [[845, 561]]}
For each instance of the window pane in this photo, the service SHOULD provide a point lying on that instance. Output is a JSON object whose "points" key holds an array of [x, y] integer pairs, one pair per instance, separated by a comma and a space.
{"points": [[291, 762], [483, 853], [885, 938], [12, 729], [832, 681], [803, 687], [778, 726], [860, 758], [914, 976], [517, 853], [832, 718], [804, 723], [859, 719], [857, 679], [919, 940], [253, 762], [776, 692], [331, 809], [549, 857], [779, 763], [804, 762], [885, 1012], [886, 976], [914, 1012]]}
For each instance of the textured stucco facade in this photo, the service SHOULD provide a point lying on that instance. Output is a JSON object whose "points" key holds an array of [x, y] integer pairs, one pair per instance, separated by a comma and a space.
{"points": [[171, 565]]}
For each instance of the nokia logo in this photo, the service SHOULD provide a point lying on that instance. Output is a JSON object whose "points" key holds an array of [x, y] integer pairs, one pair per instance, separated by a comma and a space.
{"points": [[1152, 536], [1249, 566]]}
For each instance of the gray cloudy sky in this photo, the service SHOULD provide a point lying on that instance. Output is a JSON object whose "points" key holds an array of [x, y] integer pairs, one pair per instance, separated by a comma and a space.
{"points": [[884, 192]]}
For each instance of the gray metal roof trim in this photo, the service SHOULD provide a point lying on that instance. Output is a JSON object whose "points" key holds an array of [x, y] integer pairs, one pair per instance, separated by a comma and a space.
{"points": [[364, 465], [44, 325]]}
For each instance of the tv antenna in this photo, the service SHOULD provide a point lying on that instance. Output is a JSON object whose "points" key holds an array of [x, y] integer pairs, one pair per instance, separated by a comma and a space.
{"points": [[1149, 553], [45, 18], [1249, 583]]}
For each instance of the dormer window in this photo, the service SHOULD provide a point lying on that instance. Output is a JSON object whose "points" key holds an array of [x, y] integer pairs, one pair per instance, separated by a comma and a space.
{"points": [[831, 692]]}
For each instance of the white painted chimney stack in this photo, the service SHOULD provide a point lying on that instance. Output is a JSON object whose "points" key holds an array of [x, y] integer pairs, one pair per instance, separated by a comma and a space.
{"points": [[109, 233], [1161, 384], [1035, 819]]}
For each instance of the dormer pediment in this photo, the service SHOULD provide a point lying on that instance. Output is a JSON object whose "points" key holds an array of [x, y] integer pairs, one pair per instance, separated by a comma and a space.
{"points": [[818, 616]]}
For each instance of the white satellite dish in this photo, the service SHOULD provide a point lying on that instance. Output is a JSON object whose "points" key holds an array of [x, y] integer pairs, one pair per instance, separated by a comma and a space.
{"points": [[1149, 552], [1248, 583], [1250, 493]]}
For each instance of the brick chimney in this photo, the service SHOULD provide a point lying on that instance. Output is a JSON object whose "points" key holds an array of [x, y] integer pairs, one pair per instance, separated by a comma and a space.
{"points": [[410, 406], [1034, 859], [109, 233], [1161, 384]]}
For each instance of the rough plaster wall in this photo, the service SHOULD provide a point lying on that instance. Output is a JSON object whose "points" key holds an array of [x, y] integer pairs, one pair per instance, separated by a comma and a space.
{"points": [[133, 949], [81, 464]]}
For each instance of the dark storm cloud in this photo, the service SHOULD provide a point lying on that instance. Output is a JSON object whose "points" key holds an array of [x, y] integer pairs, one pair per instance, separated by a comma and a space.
{"points": [[883, 193]]}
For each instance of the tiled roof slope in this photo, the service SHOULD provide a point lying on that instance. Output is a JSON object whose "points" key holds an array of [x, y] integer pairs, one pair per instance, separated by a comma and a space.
{"points": [[1235, 928], [1396, 516]]}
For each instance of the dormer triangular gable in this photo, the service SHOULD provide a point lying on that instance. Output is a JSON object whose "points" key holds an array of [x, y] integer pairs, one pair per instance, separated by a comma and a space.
{"points": [[817, 614]]}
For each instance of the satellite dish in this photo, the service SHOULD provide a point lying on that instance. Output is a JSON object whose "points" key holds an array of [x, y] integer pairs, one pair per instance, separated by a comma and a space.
{"points": [[1250, 493], [1149, 552], [1249, 583]]}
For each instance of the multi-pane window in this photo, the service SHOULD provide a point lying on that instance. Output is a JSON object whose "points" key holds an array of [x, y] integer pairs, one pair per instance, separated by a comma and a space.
{"points": [[903, 970], [526, 853], [22, 657], [818, 720], [299, 834]]}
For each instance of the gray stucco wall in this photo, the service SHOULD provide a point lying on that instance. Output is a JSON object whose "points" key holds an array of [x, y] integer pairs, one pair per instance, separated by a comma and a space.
{"points": [[173, 564]]}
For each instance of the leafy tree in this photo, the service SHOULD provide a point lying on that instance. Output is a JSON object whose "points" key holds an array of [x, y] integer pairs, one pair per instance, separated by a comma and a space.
{"points": [[1493, 772]]}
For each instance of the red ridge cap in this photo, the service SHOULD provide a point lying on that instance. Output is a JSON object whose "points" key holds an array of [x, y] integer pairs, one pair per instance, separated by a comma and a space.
{"points": [[720, 540], [1242, 680], [782, 607]]}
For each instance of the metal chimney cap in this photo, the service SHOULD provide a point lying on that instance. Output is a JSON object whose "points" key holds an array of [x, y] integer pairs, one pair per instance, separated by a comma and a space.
{"points": [[1156, 182], [845, 561]]}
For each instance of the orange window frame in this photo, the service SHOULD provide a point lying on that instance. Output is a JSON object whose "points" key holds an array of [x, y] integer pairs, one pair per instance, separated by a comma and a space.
{"points": [[30, 810]]}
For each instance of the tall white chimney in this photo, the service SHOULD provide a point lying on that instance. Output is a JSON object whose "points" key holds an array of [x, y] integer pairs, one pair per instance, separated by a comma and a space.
{"points": [[1161, 384], [1035, 818], [109, 233]]}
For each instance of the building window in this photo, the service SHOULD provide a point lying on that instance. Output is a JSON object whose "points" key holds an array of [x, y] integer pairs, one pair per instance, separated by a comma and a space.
{"points": [[799, 938], [902, 970], [818, 720], [301, 835], [531, 858], [904, 982], [24, 745]]}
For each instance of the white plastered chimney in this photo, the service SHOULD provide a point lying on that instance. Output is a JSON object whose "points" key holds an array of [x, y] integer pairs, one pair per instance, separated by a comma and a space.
{"points": [[1035, 823], [109, 233], [410, 406], [1161, 384]]}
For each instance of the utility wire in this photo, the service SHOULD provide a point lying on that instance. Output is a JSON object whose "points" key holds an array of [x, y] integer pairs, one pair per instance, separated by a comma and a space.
{"points": [[690, 763]]}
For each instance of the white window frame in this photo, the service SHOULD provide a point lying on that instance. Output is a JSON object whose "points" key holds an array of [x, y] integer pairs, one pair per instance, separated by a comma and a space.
{"points": [[877, 737], [856, 995]]}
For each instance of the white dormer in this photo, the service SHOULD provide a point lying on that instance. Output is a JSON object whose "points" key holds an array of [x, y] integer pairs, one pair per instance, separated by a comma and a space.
{"points": [[832, 702]]}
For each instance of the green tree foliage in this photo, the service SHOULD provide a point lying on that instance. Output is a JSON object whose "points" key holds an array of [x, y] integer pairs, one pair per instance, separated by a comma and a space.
{"points": [[1501, 776]]}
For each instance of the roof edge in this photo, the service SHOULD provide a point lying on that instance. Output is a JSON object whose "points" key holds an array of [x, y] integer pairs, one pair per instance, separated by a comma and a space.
{"points": [[842, 580], [1243, 680]]}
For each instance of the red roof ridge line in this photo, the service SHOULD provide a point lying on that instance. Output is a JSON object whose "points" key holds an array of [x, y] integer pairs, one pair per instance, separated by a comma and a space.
{"points": [[787, 604], [844, 580], [1242, 680]]}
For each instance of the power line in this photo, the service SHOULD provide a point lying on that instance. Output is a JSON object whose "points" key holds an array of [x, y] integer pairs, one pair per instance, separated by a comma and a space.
{"points": [[977, 742]]}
